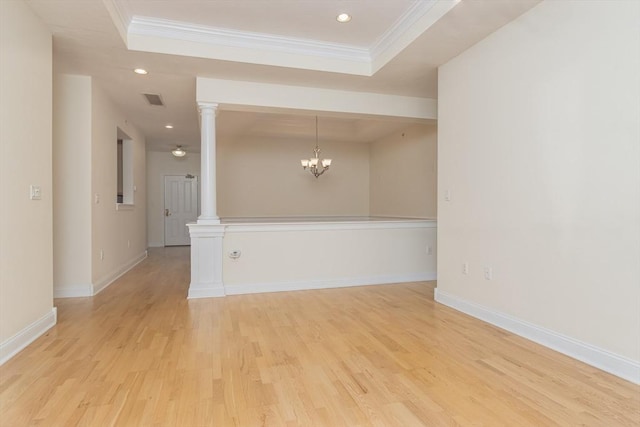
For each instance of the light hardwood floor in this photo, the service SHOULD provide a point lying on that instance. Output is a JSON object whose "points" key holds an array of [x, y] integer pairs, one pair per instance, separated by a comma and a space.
{"points": [[140, 354]]}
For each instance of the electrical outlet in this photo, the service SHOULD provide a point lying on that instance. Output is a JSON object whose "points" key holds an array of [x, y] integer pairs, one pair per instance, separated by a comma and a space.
{"points": [[447, 195], [465, 268], [488, 273], [429, 250]]}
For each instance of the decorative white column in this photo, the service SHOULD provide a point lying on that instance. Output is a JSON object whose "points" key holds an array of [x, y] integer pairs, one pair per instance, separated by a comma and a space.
{"points": [[207, 234], [206, 261], [208, 199]]}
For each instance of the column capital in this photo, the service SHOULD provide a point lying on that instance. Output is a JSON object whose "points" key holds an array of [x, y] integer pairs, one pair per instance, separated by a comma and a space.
{"points": [[207, 106]]}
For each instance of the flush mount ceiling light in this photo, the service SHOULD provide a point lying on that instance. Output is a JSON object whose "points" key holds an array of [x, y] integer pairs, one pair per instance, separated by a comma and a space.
{"points": [[169, 126], [315, 164], [140, 71], [343, 17], [179, 151]]}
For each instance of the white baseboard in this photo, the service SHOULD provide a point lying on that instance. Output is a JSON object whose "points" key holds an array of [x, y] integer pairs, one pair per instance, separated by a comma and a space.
{"points": [[19, 341], [206, 290], [602, 359], [255, 288], [73, 291], [103, 283]]}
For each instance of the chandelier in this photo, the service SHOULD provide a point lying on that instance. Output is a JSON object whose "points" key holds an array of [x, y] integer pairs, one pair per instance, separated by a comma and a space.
{"points": [[316, 166]]}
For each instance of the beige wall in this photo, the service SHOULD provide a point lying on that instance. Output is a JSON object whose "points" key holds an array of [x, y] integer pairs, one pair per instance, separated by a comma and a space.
{"points": [[403, 173], [538, 145], [26, 272], [263, 177], [86, 126], [71, 183], [160, 164], [122, 235]]}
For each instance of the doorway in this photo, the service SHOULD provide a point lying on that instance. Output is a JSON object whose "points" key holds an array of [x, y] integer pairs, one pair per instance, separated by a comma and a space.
{"points": [[180, 208]]}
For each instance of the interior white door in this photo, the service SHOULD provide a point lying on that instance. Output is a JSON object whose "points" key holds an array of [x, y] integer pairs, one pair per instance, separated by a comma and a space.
{"points": [[180, 207]]}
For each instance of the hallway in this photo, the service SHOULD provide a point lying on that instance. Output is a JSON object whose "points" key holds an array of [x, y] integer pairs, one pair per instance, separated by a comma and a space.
{"points": [[140, 353]]}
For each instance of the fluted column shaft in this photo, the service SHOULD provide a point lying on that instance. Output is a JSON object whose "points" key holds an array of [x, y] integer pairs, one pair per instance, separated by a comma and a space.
{"points": [[208, 200]]}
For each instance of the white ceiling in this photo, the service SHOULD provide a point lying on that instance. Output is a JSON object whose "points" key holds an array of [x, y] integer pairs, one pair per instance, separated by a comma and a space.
{"points": [[90, 39]]}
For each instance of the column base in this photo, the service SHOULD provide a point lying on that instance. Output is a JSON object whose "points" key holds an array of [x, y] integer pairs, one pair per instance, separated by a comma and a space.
{"points": [[209, 221], [206, 290], [206, 260]]}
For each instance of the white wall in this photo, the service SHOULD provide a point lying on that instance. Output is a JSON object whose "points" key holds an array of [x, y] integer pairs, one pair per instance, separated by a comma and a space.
{"points": [[403, 173], [538, 140], [26, 272], [160, 164], [71, 184], [122, 235], [280, 257], [263, 177]]}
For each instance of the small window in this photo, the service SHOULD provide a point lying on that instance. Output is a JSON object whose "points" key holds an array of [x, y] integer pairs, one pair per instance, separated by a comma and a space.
{"points": [[124, 168]]}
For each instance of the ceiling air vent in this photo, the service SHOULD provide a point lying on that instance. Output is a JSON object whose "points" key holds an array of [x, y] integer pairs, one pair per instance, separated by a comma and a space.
{"points": [[154, 99]]}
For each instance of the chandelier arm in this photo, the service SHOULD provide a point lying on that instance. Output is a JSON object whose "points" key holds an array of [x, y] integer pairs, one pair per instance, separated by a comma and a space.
{"points": [[317, 174]]}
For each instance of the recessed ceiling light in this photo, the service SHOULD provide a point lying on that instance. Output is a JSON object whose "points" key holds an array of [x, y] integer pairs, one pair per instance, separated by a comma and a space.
{"points": [[140, 71], [343, 17], [169, 126]]}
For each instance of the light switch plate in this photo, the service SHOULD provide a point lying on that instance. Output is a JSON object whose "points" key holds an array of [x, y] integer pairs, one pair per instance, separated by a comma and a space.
{"points": [[35, 192]]}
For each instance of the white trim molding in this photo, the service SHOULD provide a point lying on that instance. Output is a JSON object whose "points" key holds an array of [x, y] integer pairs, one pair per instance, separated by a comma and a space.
{"points": [[26, 336], [73, 291], [120, 16], [179, 38], [151, 34], [418, 19], [103, 283], [602, 359], [206, 290], [314, 225], [257, 288], [89, 290], [164, 28]]}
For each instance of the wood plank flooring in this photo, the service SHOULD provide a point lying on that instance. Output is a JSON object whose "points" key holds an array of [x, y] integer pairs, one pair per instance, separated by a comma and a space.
{"points": [[140, 354]]}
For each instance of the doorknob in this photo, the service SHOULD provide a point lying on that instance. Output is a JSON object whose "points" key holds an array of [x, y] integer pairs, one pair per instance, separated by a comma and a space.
{"points": [[166, 212]]}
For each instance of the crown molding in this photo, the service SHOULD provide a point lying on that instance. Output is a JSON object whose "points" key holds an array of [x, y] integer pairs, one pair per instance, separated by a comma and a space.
{"points": [[154, 27], [120, 16], [413, 23], [181, 38], [399, 28]]}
